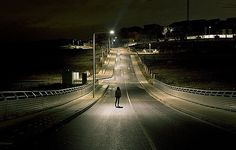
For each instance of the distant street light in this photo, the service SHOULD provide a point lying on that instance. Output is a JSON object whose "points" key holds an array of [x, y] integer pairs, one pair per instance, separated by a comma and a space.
{"points": [[112, 32], [209, 30], [109, 41], [94, 58], [109, 44]]}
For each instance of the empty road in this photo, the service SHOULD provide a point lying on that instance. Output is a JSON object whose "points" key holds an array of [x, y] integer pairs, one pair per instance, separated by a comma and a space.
{"points": [[141, 123]]}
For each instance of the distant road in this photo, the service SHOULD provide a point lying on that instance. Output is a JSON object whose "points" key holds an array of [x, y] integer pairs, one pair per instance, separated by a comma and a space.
{"points": [[143, 123]]}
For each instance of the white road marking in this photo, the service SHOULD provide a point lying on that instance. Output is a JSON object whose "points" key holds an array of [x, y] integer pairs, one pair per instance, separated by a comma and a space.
{"points": [[152, 145]]}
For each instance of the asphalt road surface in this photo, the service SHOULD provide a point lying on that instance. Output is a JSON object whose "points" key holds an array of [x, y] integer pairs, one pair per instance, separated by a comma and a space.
{"points": [[141, 123]]}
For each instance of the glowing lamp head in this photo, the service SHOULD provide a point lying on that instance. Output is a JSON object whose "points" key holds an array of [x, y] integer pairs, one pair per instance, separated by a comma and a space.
{"points": [[112, 32]]}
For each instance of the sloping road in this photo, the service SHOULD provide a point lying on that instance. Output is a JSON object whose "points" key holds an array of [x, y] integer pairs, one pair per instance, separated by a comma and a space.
{"points": [[141, 123]]}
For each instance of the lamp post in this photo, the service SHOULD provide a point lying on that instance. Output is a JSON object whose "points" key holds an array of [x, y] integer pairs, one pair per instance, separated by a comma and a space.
{"points": [[109, 40], [109, 44], [94, 58], [209, 30], [94, 63], [187, 10]]}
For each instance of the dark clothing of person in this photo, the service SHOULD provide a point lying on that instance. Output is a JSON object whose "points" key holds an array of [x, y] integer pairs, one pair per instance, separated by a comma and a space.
{"points": [[117, 102], [117, 95]]}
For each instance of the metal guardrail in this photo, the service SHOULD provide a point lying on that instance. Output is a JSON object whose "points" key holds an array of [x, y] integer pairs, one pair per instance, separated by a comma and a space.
{"points": [[14, 104], [201, 92], [225, 100], [218, 93], [15, 95], [218, 99]]}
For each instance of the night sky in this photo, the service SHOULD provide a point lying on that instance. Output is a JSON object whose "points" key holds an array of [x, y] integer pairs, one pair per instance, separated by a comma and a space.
{"points": [[48, 19]]}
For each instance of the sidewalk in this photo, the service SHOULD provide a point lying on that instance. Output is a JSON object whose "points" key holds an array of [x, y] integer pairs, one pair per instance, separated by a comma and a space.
{"points": [[107, 68], [225, 120]]}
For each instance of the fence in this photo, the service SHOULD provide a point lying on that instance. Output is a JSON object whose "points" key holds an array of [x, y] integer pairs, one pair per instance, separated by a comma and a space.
{"points": [[17, 103]]}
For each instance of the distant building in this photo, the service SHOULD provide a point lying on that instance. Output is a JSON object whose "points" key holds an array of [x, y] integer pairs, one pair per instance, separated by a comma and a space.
{"points": [[201, 28], [228, 26]]}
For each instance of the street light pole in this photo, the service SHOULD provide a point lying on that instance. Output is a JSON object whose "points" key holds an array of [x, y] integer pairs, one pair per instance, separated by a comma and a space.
{"points": [[209, 30], [94, 64], [94, 59], [109, 39], [109, 44], [187, 10]]}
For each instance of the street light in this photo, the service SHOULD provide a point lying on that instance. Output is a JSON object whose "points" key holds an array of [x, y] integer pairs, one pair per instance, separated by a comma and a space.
{"points": [[112, 32], [109, 41], [209, 30], [109, 44], [94, 58]]}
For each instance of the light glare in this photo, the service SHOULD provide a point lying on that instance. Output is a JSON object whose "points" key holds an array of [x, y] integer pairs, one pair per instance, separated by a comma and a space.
{"points": [[112, 32]]}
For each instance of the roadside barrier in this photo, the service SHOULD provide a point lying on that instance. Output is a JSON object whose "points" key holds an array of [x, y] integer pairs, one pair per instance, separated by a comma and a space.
{"points": [[14, 95], [225, 100], [14, 104], [199, 91]]}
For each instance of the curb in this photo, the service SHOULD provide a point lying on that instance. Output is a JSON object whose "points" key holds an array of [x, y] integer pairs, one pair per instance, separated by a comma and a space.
{"points": [[68, 119]]}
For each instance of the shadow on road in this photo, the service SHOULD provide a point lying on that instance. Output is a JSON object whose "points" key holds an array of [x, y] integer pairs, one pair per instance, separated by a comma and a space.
{"points": [[119, 106]]}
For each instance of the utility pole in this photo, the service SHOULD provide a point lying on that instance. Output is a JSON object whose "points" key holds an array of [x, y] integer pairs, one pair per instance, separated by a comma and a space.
{"points": [[187, 10], [94, 64], [188, 24]]}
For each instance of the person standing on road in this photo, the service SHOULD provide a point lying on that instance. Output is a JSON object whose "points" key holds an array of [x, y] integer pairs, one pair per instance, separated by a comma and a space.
{"points": [[117, 95]]}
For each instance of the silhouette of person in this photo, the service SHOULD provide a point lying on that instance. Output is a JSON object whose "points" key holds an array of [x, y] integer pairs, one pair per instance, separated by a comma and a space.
{"points": [[117, 95]]}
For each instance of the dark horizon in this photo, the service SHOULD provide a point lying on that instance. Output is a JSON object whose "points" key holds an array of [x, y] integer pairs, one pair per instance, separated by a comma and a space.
{"points": [[34, 20]]}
